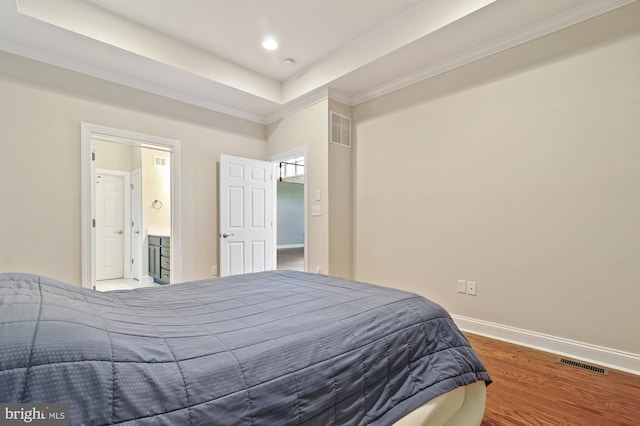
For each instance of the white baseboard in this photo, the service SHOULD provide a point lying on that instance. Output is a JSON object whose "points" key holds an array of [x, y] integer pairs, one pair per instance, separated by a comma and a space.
{"points": [[606, 357], [286, 246], [146, 279]]}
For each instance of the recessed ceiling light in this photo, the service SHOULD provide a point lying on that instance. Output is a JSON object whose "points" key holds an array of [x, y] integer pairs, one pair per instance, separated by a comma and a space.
{"points": [[270, 44]]}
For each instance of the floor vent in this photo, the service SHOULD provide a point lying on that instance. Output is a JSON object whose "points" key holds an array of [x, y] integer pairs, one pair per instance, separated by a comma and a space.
{"points": [[584, 366]]}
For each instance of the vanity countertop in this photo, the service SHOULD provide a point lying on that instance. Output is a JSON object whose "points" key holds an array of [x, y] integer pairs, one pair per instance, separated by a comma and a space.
{"points": [[159, 232]]}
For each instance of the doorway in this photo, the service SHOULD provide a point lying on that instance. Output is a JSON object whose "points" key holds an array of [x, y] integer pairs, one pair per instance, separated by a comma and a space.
{"points": [[290, 210], [132, 207], [113, 159]]}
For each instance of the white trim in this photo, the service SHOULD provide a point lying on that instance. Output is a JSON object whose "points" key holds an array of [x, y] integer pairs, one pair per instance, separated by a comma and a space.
{"points": [[92, 132], [298, 105], [556, 23], [115, 77], [571, 17], [338, 96], [287, 155], [606, 357], [126, 217], [87, 201], [306, 101], [287, 246]]}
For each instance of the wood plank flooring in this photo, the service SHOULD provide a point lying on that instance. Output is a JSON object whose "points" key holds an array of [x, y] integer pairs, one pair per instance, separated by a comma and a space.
{"points": [[291, 258], [530, 388]]}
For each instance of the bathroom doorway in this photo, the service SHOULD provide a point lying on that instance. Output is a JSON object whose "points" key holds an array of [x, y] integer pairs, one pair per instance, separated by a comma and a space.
{"points": [[130, 199]]}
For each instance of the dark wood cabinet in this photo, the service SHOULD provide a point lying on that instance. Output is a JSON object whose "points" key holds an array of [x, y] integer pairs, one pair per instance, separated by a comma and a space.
{"points": [[160, 258]]}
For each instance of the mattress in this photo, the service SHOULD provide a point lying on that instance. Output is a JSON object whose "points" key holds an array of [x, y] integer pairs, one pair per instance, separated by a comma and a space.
{"points": [[277, 347]]}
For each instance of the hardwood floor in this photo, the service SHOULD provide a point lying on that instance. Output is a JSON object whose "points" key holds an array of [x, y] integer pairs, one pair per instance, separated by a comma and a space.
{"points": [[530, 388], [291, 258]]}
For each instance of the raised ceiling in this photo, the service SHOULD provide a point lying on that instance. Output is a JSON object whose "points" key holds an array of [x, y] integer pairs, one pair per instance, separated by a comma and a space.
{"points": [[208, 52]]}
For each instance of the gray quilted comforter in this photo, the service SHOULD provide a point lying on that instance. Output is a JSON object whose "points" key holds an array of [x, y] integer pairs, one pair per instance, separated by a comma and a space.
{"points": [[273, 348]]}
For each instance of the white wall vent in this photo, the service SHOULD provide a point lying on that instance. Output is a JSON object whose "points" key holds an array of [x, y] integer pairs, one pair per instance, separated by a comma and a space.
{"points": [[160, 161], [340, 132]]}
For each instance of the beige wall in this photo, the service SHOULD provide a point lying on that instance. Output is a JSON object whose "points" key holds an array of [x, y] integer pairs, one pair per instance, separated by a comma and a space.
{"points": [[156, 185], [520, 172], [41, 109], [340, 203], [116, 156], [328, 168], [309, 128]]}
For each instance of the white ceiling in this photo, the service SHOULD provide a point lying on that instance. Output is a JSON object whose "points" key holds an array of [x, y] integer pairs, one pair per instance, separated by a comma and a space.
{"points": [[234, 30], [208, 52]]}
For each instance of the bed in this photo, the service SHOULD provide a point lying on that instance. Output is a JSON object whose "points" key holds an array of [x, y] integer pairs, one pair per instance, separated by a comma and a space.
{"points": [[271, 348]]}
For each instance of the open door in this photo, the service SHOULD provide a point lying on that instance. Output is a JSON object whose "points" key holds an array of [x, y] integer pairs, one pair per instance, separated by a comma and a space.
{"points": [[246, 216]]}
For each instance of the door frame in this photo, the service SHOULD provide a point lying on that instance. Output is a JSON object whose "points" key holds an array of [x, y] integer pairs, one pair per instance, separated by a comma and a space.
{"points": [[89, 134], [137, 219], [274, 159], [126, 217]]}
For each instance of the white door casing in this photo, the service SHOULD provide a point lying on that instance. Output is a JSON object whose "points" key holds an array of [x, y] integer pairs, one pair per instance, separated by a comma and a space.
{"points": [[109, 226], [246, 215], [136, 224], [90, 134]]}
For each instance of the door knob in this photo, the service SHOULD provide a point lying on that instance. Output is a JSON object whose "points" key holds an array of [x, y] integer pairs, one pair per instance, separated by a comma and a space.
{"points": [[118, 232], [225, 235]]}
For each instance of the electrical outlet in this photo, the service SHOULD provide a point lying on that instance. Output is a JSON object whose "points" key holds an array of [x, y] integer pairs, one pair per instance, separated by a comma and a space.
{"points": [[318, 270], [471, 288], [462, 286], [214, 270]]}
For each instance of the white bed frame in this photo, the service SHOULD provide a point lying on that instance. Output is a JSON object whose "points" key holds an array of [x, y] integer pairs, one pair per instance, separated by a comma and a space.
{"points": [[463, 406]]}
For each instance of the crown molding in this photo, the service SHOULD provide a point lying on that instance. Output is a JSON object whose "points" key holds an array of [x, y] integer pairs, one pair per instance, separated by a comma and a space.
{"points": [[337, 95], [299, 104], [574, 16], [69, 64], [558, 22], [308, 100]]}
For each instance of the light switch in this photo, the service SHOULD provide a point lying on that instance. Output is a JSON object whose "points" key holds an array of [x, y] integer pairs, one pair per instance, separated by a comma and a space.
{"points": [[316, 210], [318, 195]]}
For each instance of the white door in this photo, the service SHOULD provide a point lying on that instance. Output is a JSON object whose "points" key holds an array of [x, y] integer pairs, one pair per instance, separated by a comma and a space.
{"points": [[109, 226], [246, 216], [136, 224]]}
